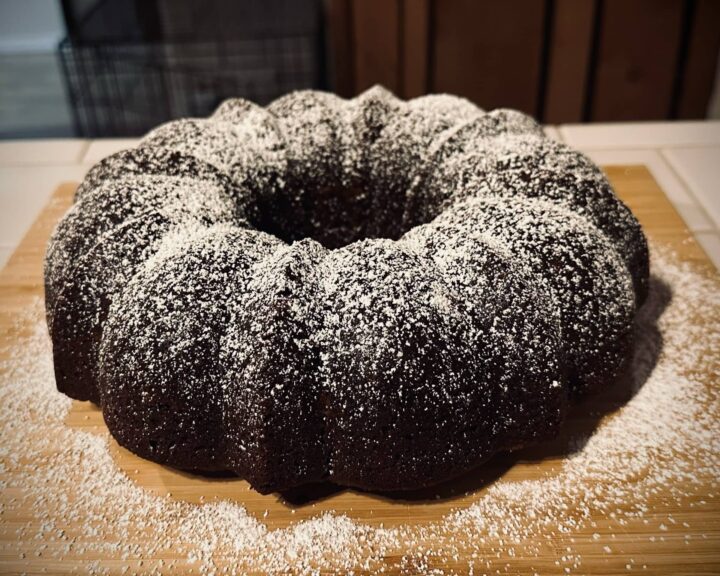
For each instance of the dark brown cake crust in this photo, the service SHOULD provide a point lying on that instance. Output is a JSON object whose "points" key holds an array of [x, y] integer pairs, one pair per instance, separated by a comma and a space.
{"points": [[377, 293]]}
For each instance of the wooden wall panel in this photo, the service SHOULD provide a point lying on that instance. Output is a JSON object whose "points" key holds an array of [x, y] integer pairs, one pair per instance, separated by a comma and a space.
{"points": [[377, 44], [489, 52], [415, 34], [341, 41], [569, 58], [560, 60], [702, 59], [636, 63]]}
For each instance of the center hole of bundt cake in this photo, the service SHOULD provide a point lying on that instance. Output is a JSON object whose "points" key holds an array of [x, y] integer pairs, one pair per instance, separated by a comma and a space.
{"points": [[333, 216]]}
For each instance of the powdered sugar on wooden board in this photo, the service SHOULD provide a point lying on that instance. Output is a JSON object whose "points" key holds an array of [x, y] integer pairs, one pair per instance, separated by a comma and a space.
{"points": [[78, 506]]}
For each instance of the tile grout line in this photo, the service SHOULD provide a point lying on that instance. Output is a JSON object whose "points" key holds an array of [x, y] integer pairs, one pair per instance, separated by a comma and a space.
{"points": [[654, 161], [706, 250], [688, 188], [685, 186], [83, 156], [32, 145], [83, 151], [627, 146], [21, 165]]}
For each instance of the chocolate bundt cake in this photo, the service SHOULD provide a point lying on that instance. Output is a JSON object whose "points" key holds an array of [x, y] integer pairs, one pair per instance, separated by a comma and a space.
{"points": [[372, 292]]}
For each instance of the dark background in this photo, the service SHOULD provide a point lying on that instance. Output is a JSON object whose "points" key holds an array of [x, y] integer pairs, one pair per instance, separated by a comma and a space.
{"points": [[561, 60], [120, 67]]}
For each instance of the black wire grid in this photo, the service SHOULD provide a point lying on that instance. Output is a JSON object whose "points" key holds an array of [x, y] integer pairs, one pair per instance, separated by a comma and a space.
{"points": [[125, 88]]}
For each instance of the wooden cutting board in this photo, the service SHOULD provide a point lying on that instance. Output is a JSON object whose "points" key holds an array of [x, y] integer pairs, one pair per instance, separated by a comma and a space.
{"points": [[21, 282]]}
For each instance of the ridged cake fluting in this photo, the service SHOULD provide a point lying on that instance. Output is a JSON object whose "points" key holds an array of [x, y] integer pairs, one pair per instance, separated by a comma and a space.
{"points": [[372, 292]]}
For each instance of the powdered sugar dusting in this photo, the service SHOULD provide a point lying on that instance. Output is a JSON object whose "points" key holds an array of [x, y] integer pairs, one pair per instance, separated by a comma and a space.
{"points": [[662, 444], [347, 356]]}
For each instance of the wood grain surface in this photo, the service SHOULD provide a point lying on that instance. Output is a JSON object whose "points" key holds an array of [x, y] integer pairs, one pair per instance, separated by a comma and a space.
{"points": [[21, 282], [489, 52], [628, 85]]}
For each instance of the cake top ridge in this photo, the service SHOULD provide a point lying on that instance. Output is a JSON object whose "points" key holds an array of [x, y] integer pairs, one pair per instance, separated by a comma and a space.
{"points": [[378, 292]]}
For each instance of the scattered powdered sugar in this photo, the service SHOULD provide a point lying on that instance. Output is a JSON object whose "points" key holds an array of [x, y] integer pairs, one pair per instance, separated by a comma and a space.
{"points": [[68, 499], [408, 366]]}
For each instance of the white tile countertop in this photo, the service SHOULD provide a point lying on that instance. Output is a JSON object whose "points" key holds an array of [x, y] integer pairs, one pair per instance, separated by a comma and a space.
{"points": [[684, 157]]}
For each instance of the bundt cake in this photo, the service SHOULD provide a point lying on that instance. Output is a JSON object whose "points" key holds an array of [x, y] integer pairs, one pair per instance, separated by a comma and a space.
{"points": [[372, 292]]}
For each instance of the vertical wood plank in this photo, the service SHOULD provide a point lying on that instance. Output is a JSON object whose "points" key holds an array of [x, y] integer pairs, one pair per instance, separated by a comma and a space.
{"points": [[702, 60], [572, 28], [415, 56], [377, 44], [490, 52], [637, 59], [340, 40]]}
